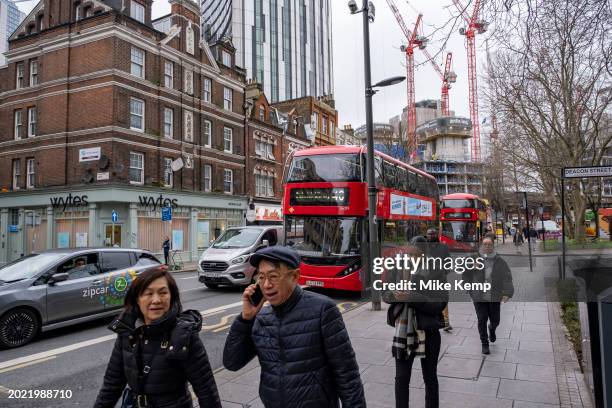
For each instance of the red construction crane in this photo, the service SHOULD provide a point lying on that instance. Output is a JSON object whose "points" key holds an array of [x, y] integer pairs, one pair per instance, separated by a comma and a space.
{"points": [[448, 77], [494, 130], [474, 26], [414, 40]]}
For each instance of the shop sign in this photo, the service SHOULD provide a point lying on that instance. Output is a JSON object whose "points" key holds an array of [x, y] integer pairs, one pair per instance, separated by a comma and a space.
{"points": [[13, 228], [267, 213], [159, 202], [103, 176], [90, 154], [70, 201]]}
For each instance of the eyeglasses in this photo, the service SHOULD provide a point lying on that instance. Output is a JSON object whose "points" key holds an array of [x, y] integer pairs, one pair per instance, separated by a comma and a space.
{"points": [[273, 278]]}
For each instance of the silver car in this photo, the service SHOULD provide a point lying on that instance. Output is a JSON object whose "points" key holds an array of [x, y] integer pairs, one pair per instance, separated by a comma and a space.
{"points": [[226, 262], [61, 287]]}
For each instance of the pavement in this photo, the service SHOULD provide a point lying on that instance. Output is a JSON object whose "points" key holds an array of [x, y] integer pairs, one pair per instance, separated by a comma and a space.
{"points": [[532, 364]]}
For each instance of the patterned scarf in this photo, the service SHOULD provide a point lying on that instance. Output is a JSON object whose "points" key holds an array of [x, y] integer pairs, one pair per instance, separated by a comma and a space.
{"points": [[407, 340]]}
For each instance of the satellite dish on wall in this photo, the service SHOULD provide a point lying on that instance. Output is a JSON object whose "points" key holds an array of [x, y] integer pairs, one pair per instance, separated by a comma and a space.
{"points": [[103, 162], [177, 164]]}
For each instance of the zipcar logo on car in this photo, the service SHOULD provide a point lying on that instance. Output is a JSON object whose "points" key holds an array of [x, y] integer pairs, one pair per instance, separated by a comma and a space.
{"points": [[114, 290]]}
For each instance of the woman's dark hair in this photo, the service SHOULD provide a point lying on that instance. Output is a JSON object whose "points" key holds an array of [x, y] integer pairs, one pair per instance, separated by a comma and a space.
{"points": [[142, 282]]}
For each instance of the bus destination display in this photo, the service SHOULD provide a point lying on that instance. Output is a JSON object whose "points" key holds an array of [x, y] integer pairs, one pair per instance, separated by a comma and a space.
{"points": [[320, 196]]}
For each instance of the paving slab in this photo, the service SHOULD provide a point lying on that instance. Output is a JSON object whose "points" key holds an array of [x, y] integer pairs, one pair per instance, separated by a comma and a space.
{"points": [[530, 391], [530, 357], [529, 372], [498, 369], [457, 367]]}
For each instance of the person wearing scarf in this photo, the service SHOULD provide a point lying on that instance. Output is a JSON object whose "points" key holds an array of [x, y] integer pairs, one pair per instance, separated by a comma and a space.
{"points": [[417, 321]]}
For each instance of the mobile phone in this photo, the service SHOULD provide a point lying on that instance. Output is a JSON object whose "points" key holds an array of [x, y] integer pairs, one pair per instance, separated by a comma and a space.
{"points": [[257, 296]]}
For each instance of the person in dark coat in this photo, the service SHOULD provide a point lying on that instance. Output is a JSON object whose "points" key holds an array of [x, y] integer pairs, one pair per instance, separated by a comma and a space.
{"points": [[303, 348], [488, 304], [158, 350], [418, 320], [437, 249], [166, 248]]}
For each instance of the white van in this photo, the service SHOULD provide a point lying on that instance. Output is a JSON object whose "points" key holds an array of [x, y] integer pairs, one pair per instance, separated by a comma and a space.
{"points": [[226, 261]]}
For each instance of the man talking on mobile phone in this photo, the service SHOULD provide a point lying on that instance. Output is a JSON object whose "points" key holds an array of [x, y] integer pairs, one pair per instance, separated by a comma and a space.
{"points": [[301, 342]]}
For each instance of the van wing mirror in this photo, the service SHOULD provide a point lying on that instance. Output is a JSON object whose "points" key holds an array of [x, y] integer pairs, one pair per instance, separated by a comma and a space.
{"points": [[58, 277], [265, 243]]}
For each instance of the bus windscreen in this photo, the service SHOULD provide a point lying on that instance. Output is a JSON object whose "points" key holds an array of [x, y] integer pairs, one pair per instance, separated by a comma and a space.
{"points": [[325, 168]]}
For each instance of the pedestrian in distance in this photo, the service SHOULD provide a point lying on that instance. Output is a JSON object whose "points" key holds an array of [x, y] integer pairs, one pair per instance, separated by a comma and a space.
{"points": [[303, 348], [417, 318], [158, 350], [437, 249], [517, 239], [488, 304], [166, 248]]}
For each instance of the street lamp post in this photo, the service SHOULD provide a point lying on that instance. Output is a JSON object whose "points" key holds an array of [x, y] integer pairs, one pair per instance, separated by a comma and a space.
{"points": [[526, 205], [368, 16], [543, 230]]}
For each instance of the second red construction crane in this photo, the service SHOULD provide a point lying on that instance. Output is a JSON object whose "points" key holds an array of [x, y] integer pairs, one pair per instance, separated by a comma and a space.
{"points": [[448, 77]]}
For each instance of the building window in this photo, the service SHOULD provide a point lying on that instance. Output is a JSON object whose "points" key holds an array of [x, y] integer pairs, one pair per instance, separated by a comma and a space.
{"points": [[188, 86], [169, 74], [136, 168], [228, 135], [168, 177], [16, 174], [264, 185], [314, 125], [32, 122], [137, 57], [137, 11], [262, 113], [207, 178], [228, 181], [168, 122], [30, 174], [207, 90], [324, 124], [207, 133], [227, 98], [33, 73], [137, 114], [20, 73], [270, 186], [265, 150], [226, 58], [188, 126], [18, 124], [331, 129]]}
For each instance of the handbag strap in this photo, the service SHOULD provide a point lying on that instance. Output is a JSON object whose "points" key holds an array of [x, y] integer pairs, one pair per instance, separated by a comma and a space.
{"points": [[143, 373]]}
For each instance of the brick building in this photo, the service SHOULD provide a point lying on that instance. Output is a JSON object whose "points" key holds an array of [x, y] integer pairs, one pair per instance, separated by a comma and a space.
{"points": [[271, 137], [103, 110], [318, 114]]}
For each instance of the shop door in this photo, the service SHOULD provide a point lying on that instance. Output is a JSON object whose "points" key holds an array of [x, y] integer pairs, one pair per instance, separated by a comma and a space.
{"points": [[110, 238]]}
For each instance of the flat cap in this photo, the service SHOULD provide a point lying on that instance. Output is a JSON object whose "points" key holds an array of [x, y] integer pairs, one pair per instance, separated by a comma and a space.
{"points": [[280, 253]]}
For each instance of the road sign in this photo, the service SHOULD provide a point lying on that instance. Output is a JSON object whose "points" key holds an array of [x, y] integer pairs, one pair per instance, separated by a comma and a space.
{"points": [[114, 216], [594, 171], [251, 215], [166, 213]]}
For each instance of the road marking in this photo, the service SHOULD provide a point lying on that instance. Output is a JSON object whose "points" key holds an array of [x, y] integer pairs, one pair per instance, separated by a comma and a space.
{"points": [[15, 367], [223, 323], [39, 357], [191, 277], [345, 306], [4, 390]]}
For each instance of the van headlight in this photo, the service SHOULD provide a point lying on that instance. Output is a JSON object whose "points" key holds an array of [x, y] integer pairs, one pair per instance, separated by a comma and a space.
{"points": [[240, 259]]}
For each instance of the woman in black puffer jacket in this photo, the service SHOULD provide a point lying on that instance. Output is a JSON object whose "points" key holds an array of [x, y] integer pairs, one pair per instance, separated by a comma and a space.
{"points": [[158, 350]]}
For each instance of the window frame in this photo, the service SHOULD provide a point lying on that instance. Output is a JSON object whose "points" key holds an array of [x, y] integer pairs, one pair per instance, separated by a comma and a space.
{"points": [[226, 58], [30, 173], [207, 90], [227, 98], [16, 176], [141, 169], [32, 121], [134, 53], [206, 123], [230, 140], [231, 181], [17, 124], [142, 115], [137, 7], [168, 76], [33, 72], [19, 75], [169, 134], [205, 178]]}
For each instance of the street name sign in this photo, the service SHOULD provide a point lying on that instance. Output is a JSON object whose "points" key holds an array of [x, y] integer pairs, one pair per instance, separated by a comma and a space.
{"points": [[166, 213], [595, 171]]}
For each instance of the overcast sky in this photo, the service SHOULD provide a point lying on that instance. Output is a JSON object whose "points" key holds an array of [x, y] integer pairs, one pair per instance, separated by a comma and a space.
{"points": [[387, 60]]}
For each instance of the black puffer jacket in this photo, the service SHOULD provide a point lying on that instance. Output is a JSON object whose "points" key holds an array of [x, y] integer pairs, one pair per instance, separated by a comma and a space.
{"points": [[501, 279], [180, 358], [305, 354]]}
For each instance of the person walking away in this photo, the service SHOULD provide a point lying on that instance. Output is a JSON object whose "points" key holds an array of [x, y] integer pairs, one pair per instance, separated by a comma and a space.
{"points": [[166, 248], [158, 350], [301, 342], [517, 239], [488, 304], [417, 320], [437, 249]]}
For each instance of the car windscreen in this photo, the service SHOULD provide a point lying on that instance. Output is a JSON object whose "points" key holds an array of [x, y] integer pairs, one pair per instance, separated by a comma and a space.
{"points": [[28, 266], [325, 167], [237, 238]]}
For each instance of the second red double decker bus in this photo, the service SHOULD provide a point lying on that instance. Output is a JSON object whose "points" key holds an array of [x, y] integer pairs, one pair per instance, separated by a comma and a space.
{"points": [[325, 207], [463, 219]]}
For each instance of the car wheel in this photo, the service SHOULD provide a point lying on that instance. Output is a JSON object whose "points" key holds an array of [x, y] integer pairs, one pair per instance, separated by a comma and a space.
{"points": [[211, 285], [18, 327]]}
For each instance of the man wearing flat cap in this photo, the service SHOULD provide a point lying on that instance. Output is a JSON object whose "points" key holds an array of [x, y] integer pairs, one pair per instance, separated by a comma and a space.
{"points": [[301, 342]]}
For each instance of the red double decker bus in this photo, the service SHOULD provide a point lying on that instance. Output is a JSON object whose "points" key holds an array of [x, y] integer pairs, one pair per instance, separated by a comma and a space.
{"points": [[325, 207], [463, 219]]}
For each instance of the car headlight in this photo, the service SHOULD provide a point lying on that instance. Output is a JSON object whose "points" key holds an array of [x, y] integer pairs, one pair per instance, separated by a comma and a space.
{"points": [[240, 259]]}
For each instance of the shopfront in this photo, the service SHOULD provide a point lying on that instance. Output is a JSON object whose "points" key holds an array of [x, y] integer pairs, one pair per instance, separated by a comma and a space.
{"points": [[114, 216]]}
